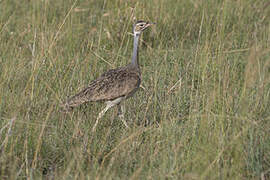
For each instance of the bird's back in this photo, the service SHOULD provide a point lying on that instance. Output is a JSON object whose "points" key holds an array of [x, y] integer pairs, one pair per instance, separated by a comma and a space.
{"points": [[115, 83]]}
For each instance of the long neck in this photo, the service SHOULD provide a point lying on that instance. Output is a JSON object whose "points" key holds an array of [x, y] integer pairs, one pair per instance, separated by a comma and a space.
{"points": [[135, 58]]}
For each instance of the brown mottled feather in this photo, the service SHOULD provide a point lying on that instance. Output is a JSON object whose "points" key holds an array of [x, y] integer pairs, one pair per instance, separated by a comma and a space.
{"points": [[115, 83]]}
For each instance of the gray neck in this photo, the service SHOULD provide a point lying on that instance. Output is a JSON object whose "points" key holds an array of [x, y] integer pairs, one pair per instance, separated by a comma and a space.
{"points": [[135, 58]]}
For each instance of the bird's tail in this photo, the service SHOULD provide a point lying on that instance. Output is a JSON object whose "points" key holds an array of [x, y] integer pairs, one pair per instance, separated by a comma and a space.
{"points": [[65, 107], [72, 102]]}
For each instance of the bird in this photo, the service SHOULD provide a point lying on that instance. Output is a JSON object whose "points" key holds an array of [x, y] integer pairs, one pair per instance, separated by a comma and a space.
{"points": [[115, 85]]}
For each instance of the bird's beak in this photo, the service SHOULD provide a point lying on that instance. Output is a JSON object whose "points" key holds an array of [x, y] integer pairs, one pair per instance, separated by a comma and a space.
{"points": [[150, 23]]}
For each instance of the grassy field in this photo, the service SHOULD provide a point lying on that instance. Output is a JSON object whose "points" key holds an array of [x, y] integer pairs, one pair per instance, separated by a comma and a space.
{"points": [[204, 111]]}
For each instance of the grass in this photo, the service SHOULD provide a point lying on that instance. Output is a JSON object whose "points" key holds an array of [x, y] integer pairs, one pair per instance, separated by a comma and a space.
{"points": [[204, 112]]}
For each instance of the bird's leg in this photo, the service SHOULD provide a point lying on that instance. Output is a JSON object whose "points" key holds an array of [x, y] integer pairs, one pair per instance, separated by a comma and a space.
{"points": [[100, 116], [121, 113], [108, 106]]}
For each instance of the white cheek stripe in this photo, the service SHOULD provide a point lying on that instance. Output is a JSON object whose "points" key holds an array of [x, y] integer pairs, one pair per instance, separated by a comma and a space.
{"points": [[136, 33]]}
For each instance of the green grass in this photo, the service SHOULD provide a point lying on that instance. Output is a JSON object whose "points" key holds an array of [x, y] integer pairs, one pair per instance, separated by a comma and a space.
{"points": [[204, 112]]}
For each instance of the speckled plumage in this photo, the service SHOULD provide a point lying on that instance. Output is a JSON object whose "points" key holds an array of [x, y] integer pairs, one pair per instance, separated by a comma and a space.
{"points": [[115, 85], [120, 82]]}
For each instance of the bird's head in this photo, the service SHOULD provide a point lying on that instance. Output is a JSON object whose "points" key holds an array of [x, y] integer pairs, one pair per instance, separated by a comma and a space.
{"points": [[140, 26]]}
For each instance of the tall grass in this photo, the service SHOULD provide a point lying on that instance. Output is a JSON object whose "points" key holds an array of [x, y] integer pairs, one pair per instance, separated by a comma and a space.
{"points": [[204, 112]]}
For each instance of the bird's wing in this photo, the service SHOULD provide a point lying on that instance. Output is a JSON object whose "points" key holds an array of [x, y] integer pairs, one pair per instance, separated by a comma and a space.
{"points": [[115, 83], [110, 85]]}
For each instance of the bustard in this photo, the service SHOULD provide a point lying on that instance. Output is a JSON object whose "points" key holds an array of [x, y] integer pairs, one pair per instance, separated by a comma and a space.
{"points": [[114, 85]]}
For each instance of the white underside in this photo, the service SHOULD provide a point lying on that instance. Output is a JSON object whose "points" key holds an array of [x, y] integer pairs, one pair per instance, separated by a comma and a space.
{"points": [[114, 102]]}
